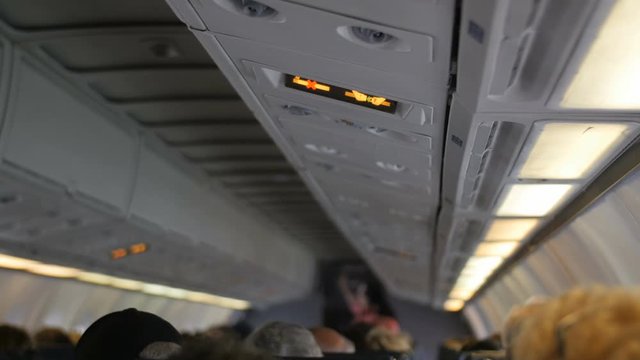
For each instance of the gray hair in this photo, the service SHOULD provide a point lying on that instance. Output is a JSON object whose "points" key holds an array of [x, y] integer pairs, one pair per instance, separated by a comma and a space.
{"points": [[285, 340], [159, 350]]}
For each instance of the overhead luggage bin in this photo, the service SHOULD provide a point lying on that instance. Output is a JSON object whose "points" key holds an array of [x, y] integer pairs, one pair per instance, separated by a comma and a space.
{"points": [[79, 185]]}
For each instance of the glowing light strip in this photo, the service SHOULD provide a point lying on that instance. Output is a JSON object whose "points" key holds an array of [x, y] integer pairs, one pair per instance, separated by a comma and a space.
{"points": [[56, 271]]}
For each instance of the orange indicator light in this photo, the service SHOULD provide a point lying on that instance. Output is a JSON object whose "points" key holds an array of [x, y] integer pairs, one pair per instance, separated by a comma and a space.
{"points": [[311, 84], [346, 95], [119, 253], [138, 248], [375, 100]]}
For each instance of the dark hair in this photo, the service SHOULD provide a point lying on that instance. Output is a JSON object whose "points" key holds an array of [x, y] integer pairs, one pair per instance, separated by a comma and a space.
{"points": [[48, 337], [14, 339]]}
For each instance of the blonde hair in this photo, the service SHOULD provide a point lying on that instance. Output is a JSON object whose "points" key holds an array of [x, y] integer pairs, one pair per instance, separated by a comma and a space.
{"points": [[380, 338], [582, 324]]}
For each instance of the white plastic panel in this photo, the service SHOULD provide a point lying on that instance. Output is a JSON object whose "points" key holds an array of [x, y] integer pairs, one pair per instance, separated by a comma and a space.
{"points": [[375, 128], [192, 209], [358, 195], [422, 16], [513, 52], [408, 55], [374, 157], [51, 133], [28, 213], [352, 75]]}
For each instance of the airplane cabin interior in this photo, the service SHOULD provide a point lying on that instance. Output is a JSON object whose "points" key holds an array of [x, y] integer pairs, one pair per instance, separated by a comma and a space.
{"points": [[418, 179]]}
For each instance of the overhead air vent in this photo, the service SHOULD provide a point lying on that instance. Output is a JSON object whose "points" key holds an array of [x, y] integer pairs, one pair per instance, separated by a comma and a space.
{"points": [[251, 8], [391, 166], [419, 142], [297, 110], [255, 9], [373, 38], [324, 150]]}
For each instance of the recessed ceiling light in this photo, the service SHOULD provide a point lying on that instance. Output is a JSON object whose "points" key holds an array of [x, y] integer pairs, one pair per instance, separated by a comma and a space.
{"points": [[453, 305], [532, 200], [609, 75], [569, 150], [510, 229]]}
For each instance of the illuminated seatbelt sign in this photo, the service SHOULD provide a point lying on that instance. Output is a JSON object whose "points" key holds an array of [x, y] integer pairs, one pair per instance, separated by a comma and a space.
{"points": [[337, 93]]}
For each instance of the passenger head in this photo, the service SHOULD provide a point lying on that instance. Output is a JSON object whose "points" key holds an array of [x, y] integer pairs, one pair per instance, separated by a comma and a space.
{"points": [[203, 348], [357, 333], [282, 339], [128, 335], [382, 339], [388, 323], [13, 340], [330, 341], [589, 324], [222, 334], [51, 337]]}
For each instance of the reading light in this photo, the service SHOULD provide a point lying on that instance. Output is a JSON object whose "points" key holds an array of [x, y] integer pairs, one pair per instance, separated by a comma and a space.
{"points": [[53, 270], [569, 150], [15, 263], [453, 305], [534, 200], [510, 229], [499, 248], [609, 75]]}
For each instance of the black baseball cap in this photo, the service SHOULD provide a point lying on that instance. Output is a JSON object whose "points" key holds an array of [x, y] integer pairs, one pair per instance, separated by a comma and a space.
{"points": [[123, 335]]}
